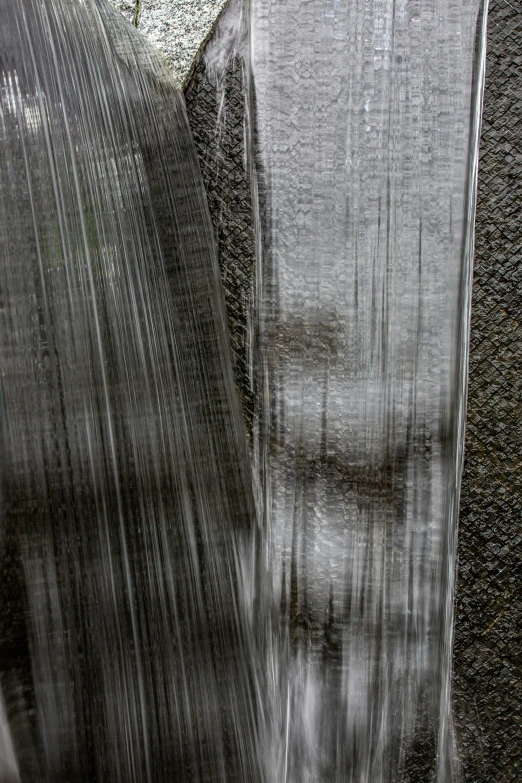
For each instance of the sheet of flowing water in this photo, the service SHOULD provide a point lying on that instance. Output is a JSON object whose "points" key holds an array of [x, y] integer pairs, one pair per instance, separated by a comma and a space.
{"points": [[125, 652], [129, 578], [362, 120], [367, 117]]}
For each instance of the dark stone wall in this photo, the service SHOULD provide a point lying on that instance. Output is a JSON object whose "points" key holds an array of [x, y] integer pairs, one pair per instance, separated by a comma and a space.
{"points": [[487, 650], [220, 144]]}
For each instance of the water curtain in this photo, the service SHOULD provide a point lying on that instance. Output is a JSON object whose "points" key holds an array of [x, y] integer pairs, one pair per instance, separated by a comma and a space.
{"points": [[367, 120], [164, 616], [126, 483]]}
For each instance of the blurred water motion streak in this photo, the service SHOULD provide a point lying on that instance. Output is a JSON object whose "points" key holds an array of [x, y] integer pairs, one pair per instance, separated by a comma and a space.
{"points": [[366, 118], [150, 630], [125, 649]]}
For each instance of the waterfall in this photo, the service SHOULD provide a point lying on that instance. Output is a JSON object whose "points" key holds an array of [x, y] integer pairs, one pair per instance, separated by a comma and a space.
{"points": [[367, 120], [126, 497], [363, 122], [181, 602]]}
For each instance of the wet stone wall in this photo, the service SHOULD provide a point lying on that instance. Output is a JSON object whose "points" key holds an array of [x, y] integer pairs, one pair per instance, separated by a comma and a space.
{"points": [[487, 657]]}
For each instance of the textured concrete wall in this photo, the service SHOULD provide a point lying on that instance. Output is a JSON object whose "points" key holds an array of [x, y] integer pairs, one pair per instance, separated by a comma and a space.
{"points": [[487, 650]]}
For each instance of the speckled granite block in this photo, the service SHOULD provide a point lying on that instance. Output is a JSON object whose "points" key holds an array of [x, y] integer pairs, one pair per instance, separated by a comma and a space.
{"points": [[179, 28]]}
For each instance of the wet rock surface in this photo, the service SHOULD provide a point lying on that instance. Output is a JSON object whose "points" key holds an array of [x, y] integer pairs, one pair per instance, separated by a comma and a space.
{"points": [[220, 147], [487, 650]]}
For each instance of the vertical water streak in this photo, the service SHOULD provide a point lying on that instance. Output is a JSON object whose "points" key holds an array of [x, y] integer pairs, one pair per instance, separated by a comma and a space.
{"points": [[125, 477]]}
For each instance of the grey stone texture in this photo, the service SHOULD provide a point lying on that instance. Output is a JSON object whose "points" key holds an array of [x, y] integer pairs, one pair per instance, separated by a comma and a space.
{"points": [[487, 647], [179, 28], [129, 8]]}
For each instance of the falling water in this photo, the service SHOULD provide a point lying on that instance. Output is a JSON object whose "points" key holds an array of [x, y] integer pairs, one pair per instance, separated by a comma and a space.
{"points": [[152, 630], [363, 122], [125, 653], [367, 117]]}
